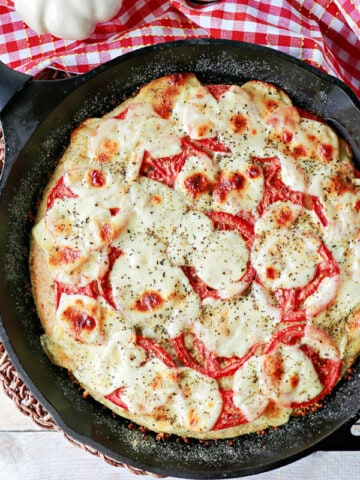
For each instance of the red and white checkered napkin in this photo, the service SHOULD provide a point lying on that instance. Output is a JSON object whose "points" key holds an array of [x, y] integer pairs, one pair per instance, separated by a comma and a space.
{"points": [[324, 33]]}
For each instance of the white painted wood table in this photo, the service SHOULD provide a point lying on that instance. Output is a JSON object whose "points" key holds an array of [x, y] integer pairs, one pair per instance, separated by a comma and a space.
{"points": [[28, 452]]}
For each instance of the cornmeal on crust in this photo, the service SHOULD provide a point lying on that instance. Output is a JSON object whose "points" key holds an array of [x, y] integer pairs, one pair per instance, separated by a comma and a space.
{"points": [[196, 258]]}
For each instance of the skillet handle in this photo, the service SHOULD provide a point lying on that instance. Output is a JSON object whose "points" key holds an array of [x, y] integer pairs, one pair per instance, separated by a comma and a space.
{"points": [[11, 82]]}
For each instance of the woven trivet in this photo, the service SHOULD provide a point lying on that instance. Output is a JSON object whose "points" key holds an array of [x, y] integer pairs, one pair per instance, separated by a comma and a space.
{"points": [[11, 382], [17, 391]]}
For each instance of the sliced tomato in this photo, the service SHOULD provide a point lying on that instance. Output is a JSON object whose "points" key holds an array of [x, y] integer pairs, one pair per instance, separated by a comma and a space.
{"points": [[217, 91], [90, 290], [274, 188], [243, 223], [166, 169], [209, 363], [212, 144], [153, 349], [199, 286], [59, 191], [122, 115], [231, 415], [204, 291], [313, 202], [115, 397], [292, 300], [104, 286], [317, 346]]}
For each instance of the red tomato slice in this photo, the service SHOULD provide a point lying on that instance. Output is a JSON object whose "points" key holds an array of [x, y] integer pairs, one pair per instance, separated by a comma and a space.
{"points": [[310, 115], [204, 291], [209, 364], [166, 169], [104, 287], [90, 290], [115, 397], [212, 145], [243, 223], [61, 191], [313, 343], [199, 286], [292, 300], [217, 91], [312, 202], [101, 286], [274, 188], [154, 349], [231, 415]]}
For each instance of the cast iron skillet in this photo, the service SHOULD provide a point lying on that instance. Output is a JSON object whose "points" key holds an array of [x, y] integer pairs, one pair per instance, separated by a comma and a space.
{"points": [[37, 118]]}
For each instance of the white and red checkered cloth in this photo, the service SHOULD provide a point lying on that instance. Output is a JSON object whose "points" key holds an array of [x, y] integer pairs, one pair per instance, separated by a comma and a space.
{"points": [[324, 33]]}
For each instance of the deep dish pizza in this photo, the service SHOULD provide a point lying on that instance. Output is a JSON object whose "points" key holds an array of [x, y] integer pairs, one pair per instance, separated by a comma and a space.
{"points": [[196, 258]]}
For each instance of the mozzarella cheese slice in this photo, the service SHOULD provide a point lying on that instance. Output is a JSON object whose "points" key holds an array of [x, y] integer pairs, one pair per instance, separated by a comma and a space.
{"points": [[290, 376], [152, 293], [231, 329]]}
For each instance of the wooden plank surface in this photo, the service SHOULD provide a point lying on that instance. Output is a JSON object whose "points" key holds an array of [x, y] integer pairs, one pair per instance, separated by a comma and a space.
{"points": [[28, 452]]}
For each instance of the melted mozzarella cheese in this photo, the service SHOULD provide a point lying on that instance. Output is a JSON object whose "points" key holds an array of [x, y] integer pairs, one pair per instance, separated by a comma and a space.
{"points": [[150, 387], [248, 395], [239, 123], [82, 271], [291, 173], [222, 261], [320, 140], [298, 381], [219, 257], [195, 180], [323, 296], [118, 360], [343, 218], [163, 145], [83, 225], [239, 189], [153, 294], [79, 316], [286, 257], [266, 97], [189, 238], [231, 328], [352, 259], [124, 140], [334, 184], [199, 403], [199, 114], [103, 185], [79, 268], [158, 209]]}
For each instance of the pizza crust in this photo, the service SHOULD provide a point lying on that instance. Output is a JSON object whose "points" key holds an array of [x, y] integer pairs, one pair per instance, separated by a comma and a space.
{"points": [[185, 251]]}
